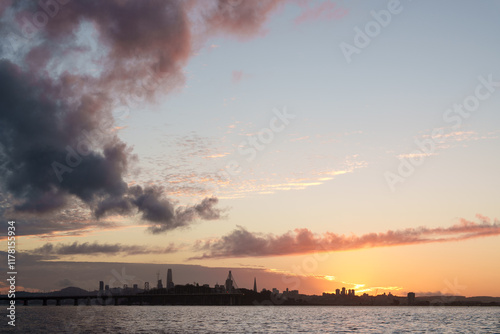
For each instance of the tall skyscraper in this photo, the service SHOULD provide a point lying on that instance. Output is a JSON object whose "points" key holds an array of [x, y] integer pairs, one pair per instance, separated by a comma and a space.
{"points": [[101, 285], [254, 284], [229, 283], [170, 282]]}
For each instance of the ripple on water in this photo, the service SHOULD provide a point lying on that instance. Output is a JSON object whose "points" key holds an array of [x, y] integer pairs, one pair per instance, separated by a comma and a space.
{"points": [[254, 319]]}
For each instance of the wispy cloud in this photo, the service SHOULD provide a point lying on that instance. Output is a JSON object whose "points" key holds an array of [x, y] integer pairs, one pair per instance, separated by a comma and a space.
{"points": [[415, 155], [328, 10], [299, 138], [195, 166], [237, 76], [242, 243], [446, 138], [228, 101], [217, 155]]}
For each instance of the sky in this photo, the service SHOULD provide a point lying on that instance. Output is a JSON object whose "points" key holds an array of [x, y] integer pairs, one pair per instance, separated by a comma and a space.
{"points": [[309, 144]]}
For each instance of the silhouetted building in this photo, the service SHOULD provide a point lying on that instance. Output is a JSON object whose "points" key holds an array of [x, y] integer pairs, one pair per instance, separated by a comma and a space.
{"points": [[159, 285], [351, 292], [229, 283], [106, 287], [255, 284], [219, 288], [170, 282], [101, 285], [337, 292], [411, 298], [146, 286], [343, 292], [275, 291]]}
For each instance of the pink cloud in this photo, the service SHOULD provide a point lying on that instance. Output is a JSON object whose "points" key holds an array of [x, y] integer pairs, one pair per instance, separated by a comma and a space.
{"points": [[242, 243], [328, 10], [237, 76]]}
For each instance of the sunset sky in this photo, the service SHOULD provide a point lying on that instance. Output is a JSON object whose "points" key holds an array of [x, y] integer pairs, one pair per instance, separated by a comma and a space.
{"points": [[310, 144]]}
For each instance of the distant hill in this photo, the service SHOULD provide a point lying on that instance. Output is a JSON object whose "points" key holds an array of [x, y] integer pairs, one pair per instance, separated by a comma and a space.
{"points": [[484, 299], [70, 291]]}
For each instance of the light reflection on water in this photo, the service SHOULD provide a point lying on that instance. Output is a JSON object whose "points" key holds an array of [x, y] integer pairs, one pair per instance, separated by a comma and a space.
{"points": [[254, 319]]}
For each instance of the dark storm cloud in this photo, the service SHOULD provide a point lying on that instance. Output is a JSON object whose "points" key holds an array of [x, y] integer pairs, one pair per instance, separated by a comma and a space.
{"points": [[146, 41], [185, 215], [39, 129], [58, 225], [45, 163], [149, 37], [56, 250], [156, 209], [56, 138]]}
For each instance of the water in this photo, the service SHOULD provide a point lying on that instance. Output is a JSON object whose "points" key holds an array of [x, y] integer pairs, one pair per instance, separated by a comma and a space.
{"points": [[253, 319]]}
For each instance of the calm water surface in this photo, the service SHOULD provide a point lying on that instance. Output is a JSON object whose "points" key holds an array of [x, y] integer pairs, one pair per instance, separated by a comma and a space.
{"points": [[254, 319]]}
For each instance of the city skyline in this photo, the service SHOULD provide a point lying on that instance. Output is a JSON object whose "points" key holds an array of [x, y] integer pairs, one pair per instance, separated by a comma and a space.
{"points": [[229, 286], [312, 145], [230, 294]]}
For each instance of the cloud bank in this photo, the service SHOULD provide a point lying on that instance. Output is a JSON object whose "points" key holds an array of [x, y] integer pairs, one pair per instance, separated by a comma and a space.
{"points": [[242, 243]]}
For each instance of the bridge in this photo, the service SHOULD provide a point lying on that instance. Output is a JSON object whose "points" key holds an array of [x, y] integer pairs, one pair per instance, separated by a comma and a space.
{"points": [[137, 299]]}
